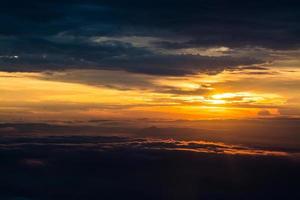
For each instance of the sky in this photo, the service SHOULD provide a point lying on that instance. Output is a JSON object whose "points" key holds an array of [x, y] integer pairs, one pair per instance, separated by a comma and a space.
{"points": [[170, 60], [140, 99]]}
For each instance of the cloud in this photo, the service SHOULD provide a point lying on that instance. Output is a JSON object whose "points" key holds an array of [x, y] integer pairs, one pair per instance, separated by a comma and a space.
{"points": [[112, 143], [217, 21], [279, 134], [140, 37], [34, 163], [42, 55], [91, 167], [264, 113]]}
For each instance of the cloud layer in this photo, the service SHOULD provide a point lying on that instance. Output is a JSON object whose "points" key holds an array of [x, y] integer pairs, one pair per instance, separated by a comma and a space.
{"points": [[161, 38], [126, 168]]}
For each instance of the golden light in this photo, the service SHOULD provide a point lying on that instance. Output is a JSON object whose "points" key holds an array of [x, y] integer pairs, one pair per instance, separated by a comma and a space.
{"points": [[230, 95], [245, 97], [223, 95]]}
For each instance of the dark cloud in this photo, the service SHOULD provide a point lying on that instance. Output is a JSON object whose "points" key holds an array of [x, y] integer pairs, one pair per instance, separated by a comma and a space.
{"points": [[278, 134], [55, 35], [69, 167], [41, 55], [218, 17], [259, 68], [125, 81], [108, 143]]}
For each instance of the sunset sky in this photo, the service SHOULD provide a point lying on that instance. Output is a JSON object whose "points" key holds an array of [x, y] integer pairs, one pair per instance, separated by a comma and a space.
{"points": [[149, 99], [163, 60], [245, 92]]}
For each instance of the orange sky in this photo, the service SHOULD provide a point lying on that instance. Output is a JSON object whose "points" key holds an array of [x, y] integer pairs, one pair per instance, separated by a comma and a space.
{"points": [[92, 94]]}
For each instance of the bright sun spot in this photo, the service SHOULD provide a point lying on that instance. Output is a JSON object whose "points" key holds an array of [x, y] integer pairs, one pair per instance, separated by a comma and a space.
{"points": [[243, 97]]}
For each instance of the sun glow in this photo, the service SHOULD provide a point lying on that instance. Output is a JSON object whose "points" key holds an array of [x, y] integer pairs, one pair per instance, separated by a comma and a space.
{"points": [[230, 95], [245, 97], [223, 95]]}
